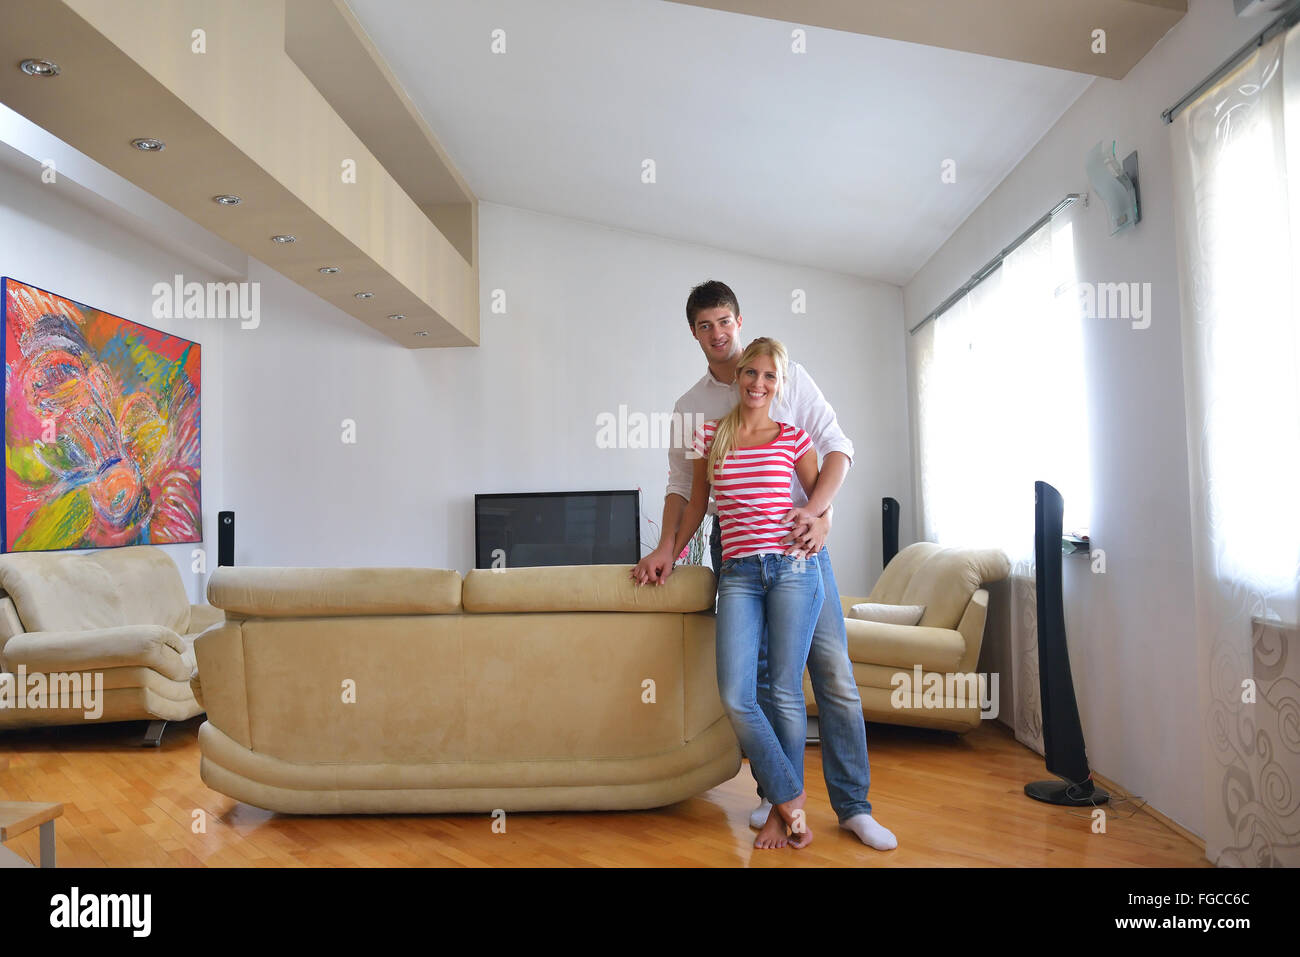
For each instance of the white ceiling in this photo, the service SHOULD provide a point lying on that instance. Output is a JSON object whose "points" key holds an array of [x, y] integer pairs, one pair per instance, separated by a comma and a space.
{"points": [[830, 159]]}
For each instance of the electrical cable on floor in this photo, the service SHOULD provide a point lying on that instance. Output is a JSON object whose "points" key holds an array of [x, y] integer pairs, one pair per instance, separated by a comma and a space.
{"points": [[1136, 800]]}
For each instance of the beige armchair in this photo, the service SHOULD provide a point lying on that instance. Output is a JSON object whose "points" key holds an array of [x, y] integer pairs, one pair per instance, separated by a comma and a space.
{"points": [[104, 636], [945, 645]]}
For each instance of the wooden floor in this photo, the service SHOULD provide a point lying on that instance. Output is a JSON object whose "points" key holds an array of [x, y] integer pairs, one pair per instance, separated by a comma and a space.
{"points": [[952, 801]]}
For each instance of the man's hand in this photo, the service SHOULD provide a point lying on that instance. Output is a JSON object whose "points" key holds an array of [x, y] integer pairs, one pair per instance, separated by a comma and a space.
{"points": [[808, 536], [653, 569]]}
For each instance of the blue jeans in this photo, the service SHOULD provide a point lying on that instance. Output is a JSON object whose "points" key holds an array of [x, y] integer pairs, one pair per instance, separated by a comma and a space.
{"points": [[845, 763], [782, 596]]}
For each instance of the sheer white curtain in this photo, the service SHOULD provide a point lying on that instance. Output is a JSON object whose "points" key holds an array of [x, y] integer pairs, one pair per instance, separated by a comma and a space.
{"points": [[1234, 150], [1012, 348]]}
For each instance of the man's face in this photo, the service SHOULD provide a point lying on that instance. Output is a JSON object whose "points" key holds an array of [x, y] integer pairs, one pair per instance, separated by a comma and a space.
{"points": [[717, 330]]}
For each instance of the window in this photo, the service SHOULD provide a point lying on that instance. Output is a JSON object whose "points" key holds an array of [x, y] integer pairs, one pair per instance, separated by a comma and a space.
{"points": [[1243, 341], [1001, 395]]}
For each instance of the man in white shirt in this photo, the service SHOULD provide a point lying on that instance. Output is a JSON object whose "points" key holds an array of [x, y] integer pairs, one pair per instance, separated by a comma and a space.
{"points": [[714, 317]]}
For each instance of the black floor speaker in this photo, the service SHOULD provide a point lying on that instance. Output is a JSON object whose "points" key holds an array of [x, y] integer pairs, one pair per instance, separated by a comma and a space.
{"points": [[1062, 732], [225, 538], [889, 528]]}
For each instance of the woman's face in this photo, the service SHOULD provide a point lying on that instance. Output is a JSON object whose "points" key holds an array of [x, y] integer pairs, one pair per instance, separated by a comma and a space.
{"points": [[757, 381]]}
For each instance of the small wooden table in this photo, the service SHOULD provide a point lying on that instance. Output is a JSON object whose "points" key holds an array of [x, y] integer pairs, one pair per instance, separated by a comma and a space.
{"points": [[18, 817]]}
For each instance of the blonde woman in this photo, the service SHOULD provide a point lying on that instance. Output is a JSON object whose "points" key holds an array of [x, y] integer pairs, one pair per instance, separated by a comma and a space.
{"points": [[748, 459]]}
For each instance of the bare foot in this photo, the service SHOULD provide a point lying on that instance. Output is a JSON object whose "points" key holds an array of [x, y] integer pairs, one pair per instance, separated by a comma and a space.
{"points": [[792, 814], [772, 833]]}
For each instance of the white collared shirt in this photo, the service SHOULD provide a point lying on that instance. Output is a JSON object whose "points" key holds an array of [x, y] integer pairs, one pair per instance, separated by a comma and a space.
{"points": [[801, 404]]}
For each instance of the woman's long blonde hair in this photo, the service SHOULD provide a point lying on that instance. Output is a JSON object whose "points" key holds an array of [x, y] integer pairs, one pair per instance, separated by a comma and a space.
{"points": [[724, 438]]}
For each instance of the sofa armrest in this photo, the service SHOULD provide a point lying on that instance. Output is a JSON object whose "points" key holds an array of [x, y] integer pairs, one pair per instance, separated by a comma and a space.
{"points": [[218, 683], [203, 617], [703, 705], [10, 624], [149, 646], [971, 627], [196, 689]]}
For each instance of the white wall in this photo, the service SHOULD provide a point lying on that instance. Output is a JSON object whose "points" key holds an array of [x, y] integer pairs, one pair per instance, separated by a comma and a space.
{"points": [[1131, 630], [50, 238], [595, 318]]}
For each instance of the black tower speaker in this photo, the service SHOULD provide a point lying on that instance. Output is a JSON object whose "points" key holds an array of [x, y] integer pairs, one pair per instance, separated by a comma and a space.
{"points": [[889, 528], [1062, 732], [225, 538]]}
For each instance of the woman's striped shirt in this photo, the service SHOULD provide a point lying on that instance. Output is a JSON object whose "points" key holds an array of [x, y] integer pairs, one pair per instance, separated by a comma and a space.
{"points": [[751, 489]]}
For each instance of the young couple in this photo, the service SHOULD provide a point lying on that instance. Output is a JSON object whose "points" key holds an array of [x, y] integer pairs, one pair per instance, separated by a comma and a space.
{"points": [[778, 604]]}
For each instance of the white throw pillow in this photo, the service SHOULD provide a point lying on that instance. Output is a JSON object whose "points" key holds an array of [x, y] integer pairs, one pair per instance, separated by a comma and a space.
{"points": [[887, 614]]}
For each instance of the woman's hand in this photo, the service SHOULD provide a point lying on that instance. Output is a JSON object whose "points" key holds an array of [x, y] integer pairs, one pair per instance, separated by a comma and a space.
{"points": [[654, 568]]}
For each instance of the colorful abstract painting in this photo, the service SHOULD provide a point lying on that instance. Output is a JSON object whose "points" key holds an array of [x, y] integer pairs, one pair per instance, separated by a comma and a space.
{"points": [[101, 428]]}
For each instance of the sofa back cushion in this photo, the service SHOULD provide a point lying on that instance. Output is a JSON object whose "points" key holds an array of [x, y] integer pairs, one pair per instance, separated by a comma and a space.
{"points": [[942, 579], [252, 592], [585, 588], [148, 584], [61, 592]]}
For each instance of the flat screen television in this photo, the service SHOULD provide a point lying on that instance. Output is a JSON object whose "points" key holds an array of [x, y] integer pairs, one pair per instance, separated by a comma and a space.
{"points": [[517, 530]]}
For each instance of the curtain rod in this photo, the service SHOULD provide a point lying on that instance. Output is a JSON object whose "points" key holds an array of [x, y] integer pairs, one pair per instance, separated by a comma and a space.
{"points": [[984, 271], [1284, 20]]}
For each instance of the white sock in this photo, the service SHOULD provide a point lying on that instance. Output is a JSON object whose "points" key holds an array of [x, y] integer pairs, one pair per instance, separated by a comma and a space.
{"points": [[870, 833], [758, 816]]}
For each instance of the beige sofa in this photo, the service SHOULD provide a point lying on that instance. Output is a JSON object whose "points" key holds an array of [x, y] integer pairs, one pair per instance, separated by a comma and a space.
{"points": [[945, 642], [389, 690], [121, 613]]}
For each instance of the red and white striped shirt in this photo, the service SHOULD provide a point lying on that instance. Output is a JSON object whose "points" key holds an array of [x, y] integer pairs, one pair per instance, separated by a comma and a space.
{"points": [[752, 489]]}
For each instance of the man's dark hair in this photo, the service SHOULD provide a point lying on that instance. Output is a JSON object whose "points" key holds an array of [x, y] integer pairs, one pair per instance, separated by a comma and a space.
{"points": [[710, 295]]}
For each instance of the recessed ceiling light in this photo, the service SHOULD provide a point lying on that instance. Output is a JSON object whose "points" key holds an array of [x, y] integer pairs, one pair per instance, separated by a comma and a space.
{"points": [[284, 239], [147, 144], [397, 315], [36, 67], [365, 295], [421, 333], [227, 199], [329, 270]]}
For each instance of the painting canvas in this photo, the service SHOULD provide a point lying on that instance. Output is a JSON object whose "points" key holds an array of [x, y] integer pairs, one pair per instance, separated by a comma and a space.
{"points": [[101, 428]]}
